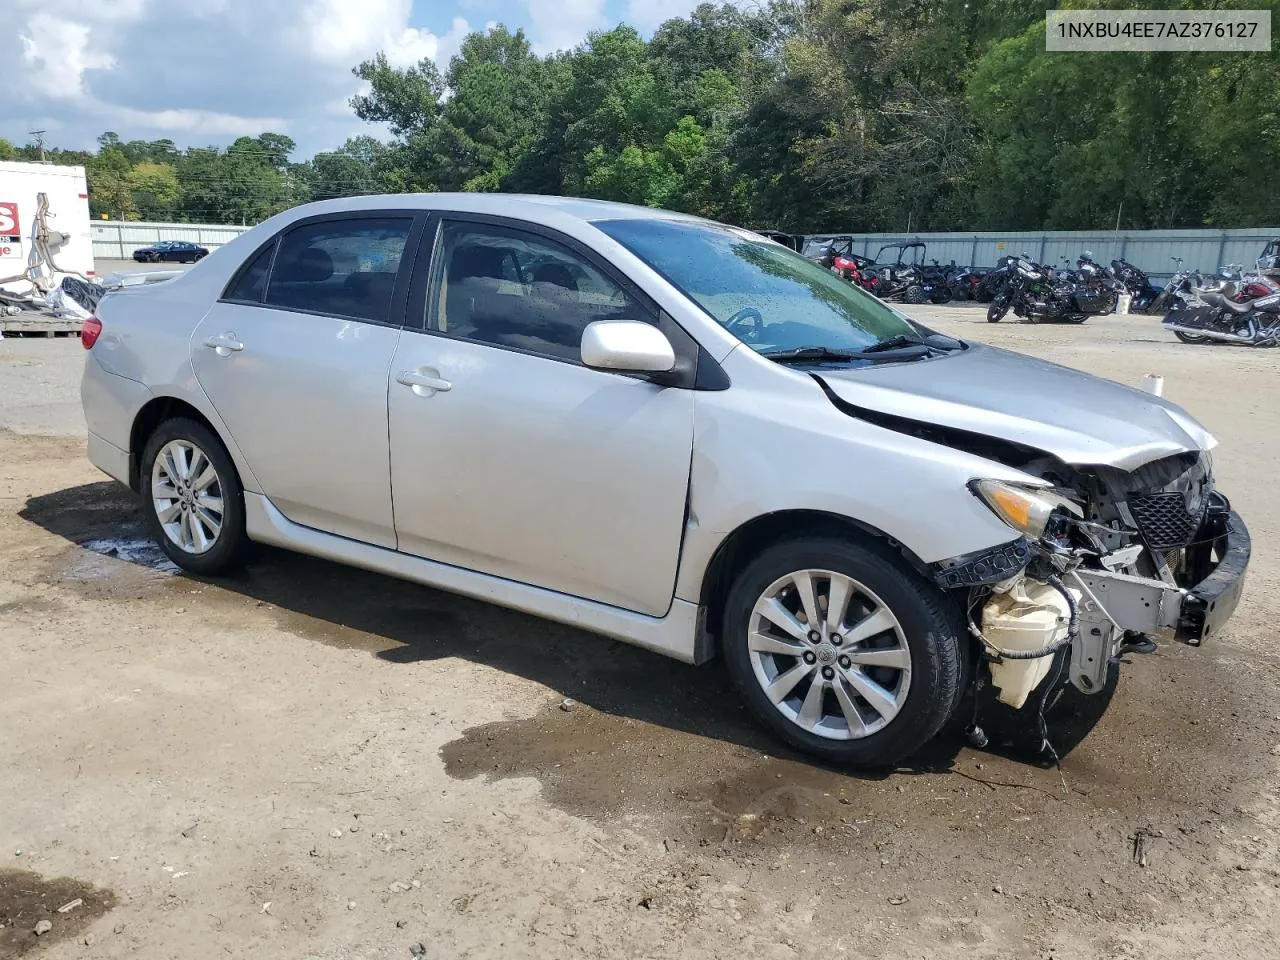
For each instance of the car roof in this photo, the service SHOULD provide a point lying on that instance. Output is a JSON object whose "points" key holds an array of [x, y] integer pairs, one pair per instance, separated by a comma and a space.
{"points": [[521, 205]]}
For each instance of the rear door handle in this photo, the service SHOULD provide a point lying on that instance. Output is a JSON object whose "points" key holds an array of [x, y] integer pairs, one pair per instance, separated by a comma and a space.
{"points": [[224, 344], [424, 382]]}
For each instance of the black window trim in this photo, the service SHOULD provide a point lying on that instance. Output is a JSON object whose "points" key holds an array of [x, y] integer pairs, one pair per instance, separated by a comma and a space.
{"points": [[695, 369], [396, 311]]}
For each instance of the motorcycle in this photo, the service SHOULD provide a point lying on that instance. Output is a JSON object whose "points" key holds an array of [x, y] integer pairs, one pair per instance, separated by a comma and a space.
{"points": [[1033, 293], [1142, 293], [1221, 318], [964, 281], [992, 281], [1090, 275]]}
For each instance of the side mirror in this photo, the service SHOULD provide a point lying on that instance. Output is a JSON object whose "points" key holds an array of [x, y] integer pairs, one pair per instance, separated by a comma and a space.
{"points": [[628, 346]]}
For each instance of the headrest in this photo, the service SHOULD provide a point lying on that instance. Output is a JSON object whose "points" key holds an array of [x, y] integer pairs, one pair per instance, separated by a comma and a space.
{"points": [[310, 265]]}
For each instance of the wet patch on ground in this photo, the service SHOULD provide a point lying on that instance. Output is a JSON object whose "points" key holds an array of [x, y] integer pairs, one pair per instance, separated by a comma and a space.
{"points": [[59, 909], [1160, 779], [666, 750]]}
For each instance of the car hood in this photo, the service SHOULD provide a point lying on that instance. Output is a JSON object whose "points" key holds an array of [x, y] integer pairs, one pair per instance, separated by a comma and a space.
{"points": [[1078, 418]]}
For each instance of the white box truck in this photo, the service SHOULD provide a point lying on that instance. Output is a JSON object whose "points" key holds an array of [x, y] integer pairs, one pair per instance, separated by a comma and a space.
{"points": [[68, 214]]}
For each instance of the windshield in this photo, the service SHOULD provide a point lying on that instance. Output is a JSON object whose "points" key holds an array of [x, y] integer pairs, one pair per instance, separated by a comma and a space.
{"points": [[769, 297]]}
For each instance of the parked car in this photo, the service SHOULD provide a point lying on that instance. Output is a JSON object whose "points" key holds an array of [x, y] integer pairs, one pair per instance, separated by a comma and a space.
{"points": [[170, 251], [671, 432]]}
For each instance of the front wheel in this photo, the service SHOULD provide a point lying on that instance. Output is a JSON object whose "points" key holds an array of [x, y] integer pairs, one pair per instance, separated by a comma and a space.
{"points": [[941, 294], [193, 499], [842, 650], [914, 294], [997, 310]]}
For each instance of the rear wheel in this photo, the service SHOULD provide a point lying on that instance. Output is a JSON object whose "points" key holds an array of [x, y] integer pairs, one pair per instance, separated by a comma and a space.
{"points": [[1190, 337], [842, 650], [193, 498], [941, 294]]}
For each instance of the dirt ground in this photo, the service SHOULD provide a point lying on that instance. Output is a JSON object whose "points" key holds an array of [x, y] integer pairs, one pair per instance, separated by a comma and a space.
{"points": [[312, 761]]}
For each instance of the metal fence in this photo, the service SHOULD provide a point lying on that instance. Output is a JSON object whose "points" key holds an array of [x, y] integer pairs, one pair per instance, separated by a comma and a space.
{"points": [[117, 239], [1149, 250]]}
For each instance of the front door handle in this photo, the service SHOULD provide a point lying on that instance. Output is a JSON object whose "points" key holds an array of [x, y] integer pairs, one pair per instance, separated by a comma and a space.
{"points": [[424, 381], [224, 344]]}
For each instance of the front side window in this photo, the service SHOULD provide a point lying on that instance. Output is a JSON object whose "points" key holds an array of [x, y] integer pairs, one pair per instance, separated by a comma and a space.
{"points": [[771, 298], [346, 268], [515, 289]]}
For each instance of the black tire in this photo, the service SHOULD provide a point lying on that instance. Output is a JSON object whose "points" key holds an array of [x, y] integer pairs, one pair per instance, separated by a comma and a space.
{"points": [[941, 294], [1076, 317], [1190, 337], [997, 310], [231, 546], [914, 294], [932, 637], [961, 293]]}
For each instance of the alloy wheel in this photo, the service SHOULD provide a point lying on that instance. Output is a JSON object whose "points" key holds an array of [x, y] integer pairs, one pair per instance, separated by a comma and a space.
{"points": [[829, 654], [186, 494]]}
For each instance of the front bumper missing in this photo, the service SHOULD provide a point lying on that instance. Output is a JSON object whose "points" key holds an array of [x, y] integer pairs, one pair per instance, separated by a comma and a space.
{"points": [[1115, 603]]}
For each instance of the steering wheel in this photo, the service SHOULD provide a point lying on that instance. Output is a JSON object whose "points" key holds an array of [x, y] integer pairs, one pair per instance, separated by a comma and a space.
{"points": [[740, 320]]}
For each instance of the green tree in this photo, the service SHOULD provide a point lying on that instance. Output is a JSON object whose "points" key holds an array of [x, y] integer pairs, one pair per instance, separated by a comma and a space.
{"points": [[153, 189]]}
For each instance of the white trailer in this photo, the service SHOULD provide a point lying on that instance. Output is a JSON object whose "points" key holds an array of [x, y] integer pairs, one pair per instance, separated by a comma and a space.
{"points": [[24, 256]]}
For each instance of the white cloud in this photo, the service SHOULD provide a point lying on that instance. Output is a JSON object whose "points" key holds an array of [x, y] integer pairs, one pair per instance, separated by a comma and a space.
{"points": [[203, 72], [345, 32], [563, 24], [205, 122], [55, 55]]}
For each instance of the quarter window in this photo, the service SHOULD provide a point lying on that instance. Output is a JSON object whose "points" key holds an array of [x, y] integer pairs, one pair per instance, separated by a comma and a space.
{"points": [[515, 289], [252, 281], [345, 268]]}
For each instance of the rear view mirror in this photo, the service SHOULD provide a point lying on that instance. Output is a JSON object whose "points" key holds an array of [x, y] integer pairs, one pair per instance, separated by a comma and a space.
{"points": [[628, 346]]}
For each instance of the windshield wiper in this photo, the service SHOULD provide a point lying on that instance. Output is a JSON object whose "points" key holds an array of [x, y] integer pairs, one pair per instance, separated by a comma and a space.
{"points": [[811, 355], [898, 342]]}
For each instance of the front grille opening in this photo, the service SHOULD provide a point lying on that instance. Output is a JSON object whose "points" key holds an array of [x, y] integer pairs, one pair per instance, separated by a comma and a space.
{"points": [[1164, 520]]}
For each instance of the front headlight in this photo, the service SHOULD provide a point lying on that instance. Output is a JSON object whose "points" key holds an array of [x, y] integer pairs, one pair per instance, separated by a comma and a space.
{"points": [[1026, 509]]}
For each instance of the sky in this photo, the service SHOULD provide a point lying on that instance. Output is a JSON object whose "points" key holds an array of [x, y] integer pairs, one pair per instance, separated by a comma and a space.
{"points": [[207, 71]]}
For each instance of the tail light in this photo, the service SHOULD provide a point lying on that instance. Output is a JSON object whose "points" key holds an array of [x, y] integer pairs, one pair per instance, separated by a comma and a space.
{"points": [[90, 330]]}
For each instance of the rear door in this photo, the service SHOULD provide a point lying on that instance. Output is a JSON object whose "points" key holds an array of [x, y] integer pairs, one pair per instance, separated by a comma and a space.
{"points": [[295, 358], [510, 457]]}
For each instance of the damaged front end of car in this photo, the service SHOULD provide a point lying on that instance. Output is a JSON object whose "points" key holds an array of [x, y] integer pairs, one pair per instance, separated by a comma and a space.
{"points": [[1106, 558]]}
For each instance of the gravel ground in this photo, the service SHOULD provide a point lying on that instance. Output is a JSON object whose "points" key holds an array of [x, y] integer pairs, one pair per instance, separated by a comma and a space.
{"points": [[312, 761]]}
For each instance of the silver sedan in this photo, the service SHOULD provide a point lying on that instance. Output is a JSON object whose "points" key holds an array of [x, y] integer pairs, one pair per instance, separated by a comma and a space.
{"points": [[671, 432]]}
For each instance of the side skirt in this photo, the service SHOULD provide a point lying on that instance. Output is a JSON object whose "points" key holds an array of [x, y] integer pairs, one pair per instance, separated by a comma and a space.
{"points": [[674, 635]]}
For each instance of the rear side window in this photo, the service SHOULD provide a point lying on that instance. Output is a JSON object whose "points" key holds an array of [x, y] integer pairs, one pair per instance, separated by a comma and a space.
{"points": [[248, 287], [344, 268]]}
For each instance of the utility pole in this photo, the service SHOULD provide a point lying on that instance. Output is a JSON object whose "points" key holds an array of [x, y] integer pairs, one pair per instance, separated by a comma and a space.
{"points": [[39, 135]]}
